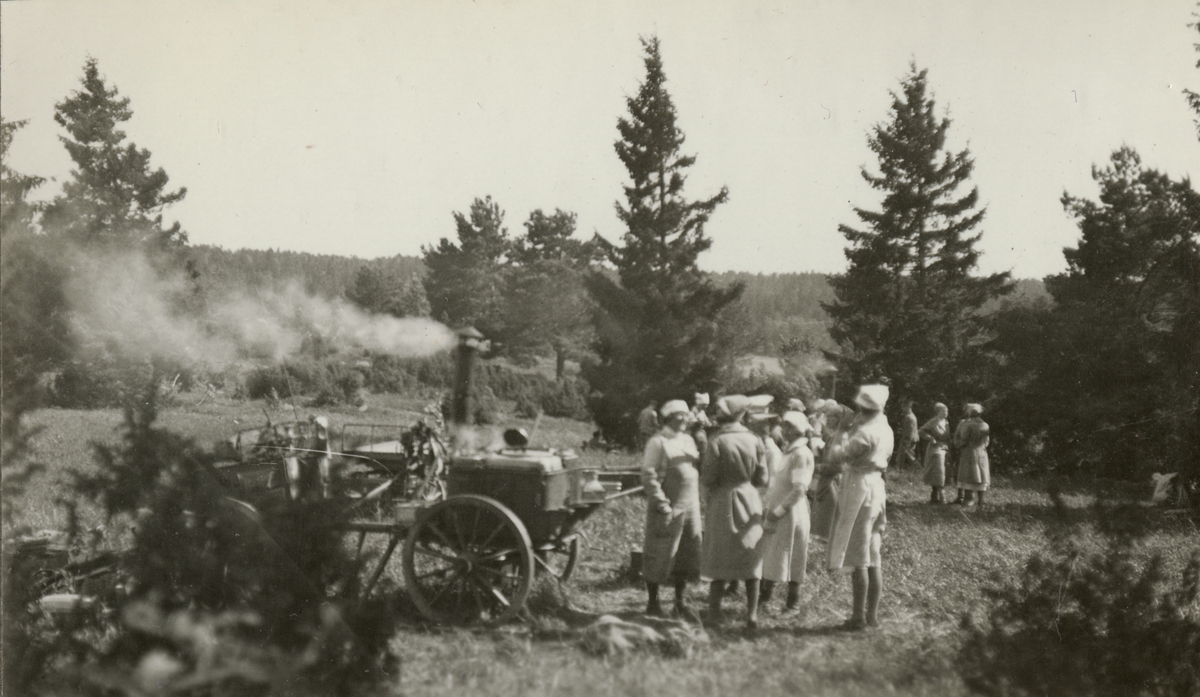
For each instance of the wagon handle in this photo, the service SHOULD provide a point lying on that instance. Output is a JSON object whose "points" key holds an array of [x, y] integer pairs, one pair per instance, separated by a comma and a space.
{"points": [[626, 492]]}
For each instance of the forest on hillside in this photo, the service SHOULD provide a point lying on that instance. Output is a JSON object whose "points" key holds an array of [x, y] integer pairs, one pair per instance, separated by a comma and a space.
{"points": [[782, 313]]}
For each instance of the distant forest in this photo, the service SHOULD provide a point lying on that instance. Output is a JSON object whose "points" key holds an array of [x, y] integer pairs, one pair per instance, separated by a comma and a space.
{"points": [[782, 312]]}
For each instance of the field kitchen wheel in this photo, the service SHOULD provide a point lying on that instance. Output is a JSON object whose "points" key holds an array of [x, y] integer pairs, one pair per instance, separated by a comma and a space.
{"points": [[558, 557], [468, 559]]}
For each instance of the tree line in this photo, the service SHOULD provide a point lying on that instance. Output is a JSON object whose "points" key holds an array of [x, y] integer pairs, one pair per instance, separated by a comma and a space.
{"points": [[1099, 370]]}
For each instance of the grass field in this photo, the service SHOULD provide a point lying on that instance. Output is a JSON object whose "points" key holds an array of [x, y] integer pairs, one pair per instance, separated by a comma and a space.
{"points": [[936, 562]]}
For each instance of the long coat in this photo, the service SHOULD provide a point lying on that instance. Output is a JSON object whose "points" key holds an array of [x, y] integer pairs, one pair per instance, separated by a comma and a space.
{"points": [[785, 542], [936, 434], [733, 525], [974, 470], [673, 528], [860, 519]]}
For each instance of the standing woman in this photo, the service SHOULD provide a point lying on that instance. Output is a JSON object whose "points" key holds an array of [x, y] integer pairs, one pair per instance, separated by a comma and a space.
{"points": [[974, 471], [856, 544], [672, 488], [734, 464], [785, 542], [836, 419], [936, 434]]}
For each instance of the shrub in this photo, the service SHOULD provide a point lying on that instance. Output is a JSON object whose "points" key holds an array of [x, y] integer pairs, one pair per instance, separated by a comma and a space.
{"points": [[224, 599], [1081, 622], [568, 399]]}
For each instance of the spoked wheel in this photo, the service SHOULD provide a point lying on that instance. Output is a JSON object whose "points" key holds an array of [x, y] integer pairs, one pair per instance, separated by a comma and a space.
{"points": [[468, 559], [558, 557]]}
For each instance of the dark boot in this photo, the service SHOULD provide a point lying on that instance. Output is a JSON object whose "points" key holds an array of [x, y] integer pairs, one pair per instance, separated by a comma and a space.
{"points": [[979, 499], [793, 596], [764, 595], [653, 608], [933, 495]]}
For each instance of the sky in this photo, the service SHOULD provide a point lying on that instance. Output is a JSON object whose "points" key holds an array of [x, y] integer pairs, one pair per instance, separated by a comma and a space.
{"points": [[357, 127]]}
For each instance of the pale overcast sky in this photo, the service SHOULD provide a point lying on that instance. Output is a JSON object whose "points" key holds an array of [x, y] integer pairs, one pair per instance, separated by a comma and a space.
{"points": [[357, 127]]}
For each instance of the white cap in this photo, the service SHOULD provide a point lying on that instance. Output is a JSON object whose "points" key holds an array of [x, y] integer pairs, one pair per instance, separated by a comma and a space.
{"points": [[872, 397]]}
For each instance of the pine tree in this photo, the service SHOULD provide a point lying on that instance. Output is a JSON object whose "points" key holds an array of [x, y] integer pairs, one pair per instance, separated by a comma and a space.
{"points": [[658, 326], [907, 308], [548, 307], [465, 281], [1120, 386], [113, 197]]}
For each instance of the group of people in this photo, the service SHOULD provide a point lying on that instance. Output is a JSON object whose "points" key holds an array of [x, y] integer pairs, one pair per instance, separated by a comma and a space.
{"points": [[973, 475], [755, 472]]}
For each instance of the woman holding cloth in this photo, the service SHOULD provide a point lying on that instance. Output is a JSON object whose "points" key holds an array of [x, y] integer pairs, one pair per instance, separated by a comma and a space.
{"points": [[785, 541], [672, 489], [936, 434], [734, 464], [855, 546]]}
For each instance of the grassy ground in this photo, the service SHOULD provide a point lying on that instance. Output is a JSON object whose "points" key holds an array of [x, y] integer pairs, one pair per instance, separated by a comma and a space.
{"points": [[936, 560]]}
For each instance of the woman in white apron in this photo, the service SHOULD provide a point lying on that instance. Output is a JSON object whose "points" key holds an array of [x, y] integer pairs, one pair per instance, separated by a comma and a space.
{"points": [[672, 489], [855, 546]]}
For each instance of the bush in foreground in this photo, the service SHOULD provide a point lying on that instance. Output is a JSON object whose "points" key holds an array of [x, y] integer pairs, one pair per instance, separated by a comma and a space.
{"points": [[218, 598], [1083, 622]]}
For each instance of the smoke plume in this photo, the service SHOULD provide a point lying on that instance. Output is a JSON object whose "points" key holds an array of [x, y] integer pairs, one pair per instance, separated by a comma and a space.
{"points": [[122, 306]]}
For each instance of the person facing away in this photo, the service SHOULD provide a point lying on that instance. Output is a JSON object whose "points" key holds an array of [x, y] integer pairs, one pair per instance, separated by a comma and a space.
{"points": [[856, 544], [647, 423], [734, 464], [936, 436], [906, 438], [786, 520], [974, 470], [673, 529]]}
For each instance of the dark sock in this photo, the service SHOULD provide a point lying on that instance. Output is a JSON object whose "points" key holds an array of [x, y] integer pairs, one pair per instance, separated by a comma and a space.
{"points": [[752, 601], [858, 585], [716, 590], [874, 593]]}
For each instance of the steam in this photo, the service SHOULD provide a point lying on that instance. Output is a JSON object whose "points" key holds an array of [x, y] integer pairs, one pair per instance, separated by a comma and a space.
{"points": [[123, 307]]}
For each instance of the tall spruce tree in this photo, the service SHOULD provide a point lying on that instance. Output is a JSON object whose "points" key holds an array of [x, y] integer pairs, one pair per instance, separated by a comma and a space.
{"points": [[907, 308], [113, 196], [465, 282], [658, 326]]}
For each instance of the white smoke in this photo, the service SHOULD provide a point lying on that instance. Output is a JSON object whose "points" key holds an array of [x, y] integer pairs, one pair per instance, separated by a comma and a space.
{"points": [[123, 307]]}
